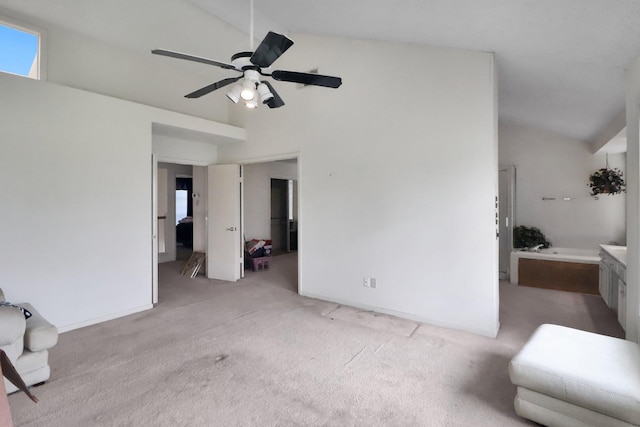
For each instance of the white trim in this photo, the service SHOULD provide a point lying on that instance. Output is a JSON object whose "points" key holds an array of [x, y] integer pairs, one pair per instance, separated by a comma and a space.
{"points": [[272, 158], [104, 318], [154, 229], [180, 161], [242, 236]]}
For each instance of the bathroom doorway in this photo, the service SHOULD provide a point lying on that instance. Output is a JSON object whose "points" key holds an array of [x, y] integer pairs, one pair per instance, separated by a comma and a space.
{"points": [[506, 200]]}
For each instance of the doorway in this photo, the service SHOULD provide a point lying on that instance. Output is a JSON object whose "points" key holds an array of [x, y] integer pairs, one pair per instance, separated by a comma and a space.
{"points": [[175, 211], [184, 217], [178, 205], [271, 208], [279, 216], [506, 191]]}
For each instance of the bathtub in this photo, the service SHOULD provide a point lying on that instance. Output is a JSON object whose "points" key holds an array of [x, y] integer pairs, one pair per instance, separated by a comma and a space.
{"points": [[583, 271]]}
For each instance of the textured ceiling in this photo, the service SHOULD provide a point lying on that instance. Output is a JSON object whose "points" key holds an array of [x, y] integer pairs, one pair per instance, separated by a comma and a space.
{"points": [[560, 62]]}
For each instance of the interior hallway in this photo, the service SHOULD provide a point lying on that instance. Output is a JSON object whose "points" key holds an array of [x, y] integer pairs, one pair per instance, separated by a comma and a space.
{"points": [[256, 353]]}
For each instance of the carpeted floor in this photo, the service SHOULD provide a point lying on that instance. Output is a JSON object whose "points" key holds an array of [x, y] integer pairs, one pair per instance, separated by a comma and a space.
{"points": [[255, 353]]}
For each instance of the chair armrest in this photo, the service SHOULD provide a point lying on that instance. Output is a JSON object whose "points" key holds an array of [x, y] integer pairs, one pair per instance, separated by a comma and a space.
{"points": [[39, 334], [12, 325]]}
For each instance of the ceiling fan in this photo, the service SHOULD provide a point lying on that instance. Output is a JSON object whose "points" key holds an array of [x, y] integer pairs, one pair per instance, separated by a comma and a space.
{"points": [[253, 65]]}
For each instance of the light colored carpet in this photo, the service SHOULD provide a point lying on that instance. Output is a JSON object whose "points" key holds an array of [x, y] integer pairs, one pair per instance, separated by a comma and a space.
{"points": [[255, 353], [380, 322]]}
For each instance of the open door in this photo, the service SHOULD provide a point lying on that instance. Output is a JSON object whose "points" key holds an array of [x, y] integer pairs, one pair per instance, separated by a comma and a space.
{"points": [[225, 250]]}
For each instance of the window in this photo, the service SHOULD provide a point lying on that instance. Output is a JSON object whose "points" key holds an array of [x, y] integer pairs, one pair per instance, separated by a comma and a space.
{"points": [[290, 199], [182, 197], [20, 50]]}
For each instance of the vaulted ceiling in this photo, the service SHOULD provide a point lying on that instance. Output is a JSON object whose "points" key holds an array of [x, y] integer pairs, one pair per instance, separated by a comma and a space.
{"points": [[561, 63]]}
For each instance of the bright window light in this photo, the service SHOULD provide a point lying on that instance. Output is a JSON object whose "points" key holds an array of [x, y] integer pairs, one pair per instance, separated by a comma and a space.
{"points": [[290, 199], [181, 204], [19, 51]]}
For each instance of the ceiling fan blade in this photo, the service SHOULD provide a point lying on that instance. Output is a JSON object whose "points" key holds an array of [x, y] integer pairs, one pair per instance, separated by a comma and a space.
{"points": [[270, 49], [276, 101], [208, 89], [179, 55], [307, 78]]}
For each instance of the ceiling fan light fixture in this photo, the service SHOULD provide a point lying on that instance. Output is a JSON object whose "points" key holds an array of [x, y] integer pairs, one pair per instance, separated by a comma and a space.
{"points": [[265, 93], [253, 103], [234, 93], [248, 90]]}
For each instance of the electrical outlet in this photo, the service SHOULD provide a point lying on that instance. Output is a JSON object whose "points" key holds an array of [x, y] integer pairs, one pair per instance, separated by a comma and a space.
{"points": [[372, 282]]}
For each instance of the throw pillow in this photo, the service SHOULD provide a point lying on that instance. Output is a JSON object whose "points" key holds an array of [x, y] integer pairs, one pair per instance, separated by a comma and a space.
{"points": [[24, 311]]}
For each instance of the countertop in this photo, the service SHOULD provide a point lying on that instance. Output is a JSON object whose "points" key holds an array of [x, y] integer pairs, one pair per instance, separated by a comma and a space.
{"points": [[617, 252]]}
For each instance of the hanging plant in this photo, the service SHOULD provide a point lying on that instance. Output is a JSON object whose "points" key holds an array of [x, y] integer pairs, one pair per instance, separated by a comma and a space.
{"points": [[607, 181]]}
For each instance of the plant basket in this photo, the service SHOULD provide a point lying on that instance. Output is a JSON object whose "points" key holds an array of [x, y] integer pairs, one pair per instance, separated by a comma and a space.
{"points": [[607, 181]]}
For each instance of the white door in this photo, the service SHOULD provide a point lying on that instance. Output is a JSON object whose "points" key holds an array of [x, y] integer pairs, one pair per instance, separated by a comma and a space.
{"points": [[225, 251]]}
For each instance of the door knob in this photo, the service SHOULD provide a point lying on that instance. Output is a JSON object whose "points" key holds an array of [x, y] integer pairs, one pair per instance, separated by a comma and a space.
{"points": [[231, 229]]}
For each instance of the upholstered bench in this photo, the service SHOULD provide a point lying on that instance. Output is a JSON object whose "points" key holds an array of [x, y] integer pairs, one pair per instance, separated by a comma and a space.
{"points": [[567, 377]]}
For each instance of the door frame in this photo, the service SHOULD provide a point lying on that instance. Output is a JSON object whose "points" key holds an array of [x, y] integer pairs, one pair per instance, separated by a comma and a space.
{"points": [[154, 229], [299, 161], [155, 159], [511, 203], [265, 159]]}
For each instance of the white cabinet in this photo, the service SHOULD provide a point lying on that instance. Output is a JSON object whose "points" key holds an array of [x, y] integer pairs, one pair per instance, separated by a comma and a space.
{"points": [[612, 280], [603, 283], [608, 280], [622, 303], [604, 279]]}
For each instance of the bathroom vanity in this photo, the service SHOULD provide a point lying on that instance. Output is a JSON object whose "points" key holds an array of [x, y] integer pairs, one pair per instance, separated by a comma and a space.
{"points": [[612, 279]]}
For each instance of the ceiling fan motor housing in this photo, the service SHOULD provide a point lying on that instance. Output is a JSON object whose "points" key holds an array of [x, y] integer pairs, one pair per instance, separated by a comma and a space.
{"points": [[242, 61]]}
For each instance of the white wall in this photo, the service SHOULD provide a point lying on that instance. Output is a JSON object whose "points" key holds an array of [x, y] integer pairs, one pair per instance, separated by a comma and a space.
{"points": [[257, 195], [548, 165], [184, 151], [200, 209], [398, 176], [77, 223], [77, 60], [633, 200], [76, 227]]}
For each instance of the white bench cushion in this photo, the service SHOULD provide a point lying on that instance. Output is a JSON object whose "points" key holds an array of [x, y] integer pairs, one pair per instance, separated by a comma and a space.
{"points": [[592, 371]]}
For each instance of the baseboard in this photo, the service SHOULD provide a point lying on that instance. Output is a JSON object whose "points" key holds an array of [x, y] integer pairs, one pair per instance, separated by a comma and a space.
{"points": [[104, 318], [402, 315]]}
